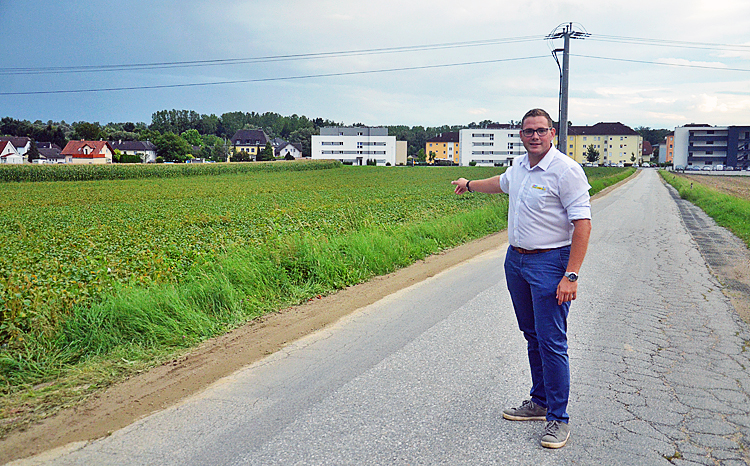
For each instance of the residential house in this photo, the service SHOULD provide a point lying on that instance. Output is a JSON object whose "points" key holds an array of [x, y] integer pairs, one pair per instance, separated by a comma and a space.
{"points": [[355, 145], [88, 152], [444, 146], [497, 145], [21, 143], [146, 150], [615, 142], [648, 151], [277, 142], [9, 154], [49, 153], [295, 150], [251, 141]]}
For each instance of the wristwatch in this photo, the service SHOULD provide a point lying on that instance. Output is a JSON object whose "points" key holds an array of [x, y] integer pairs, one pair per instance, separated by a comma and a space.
{"points": [[572, 276]]}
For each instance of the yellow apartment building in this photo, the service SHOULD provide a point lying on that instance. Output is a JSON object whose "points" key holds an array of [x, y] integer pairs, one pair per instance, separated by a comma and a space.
{"points": [[444, 146], [615, 142]]}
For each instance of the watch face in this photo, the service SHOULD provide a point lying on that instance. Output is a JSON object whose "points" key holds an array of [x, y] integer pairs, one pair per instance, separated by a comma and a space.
{"points": [[572, 276]]}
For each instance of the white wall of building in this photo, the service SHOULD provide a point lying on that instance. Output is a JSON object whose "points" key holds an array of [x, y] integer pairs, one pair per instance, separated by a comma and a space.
{"points": [[355, 145], [680, 151], [489, 147]]}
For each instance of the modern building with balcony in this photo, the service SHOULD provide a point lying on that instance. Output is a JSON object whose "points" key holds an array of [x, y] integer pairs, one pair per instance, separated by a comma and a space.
{"points": [[702, 145]]}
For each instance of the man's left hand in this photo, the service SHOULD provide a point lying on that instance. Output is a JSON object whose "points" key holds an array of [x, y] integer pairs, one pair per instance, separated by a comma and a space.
{"points": [[566, 291]]}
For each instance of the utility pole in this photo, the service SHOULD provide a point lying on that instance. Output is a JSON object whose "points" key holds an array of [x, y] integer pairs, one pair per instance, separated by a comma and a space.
{"points": [[566, 32]]}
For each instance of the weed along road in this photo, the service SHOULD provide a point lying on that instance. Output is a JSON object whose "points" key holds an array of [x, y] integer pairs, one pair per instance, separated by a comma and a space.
{"points": [[660, 371]]}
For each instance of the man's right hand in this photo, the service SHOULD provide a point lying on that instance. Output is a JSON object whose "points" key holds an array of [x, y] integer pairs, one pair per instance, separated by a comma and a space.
{"points": [[460, 185]]}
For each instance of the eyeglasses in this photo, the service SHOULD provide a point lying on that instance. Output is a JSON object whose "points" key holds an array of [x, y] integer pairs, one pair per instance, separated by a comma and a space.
{"points": [[528, 132]]}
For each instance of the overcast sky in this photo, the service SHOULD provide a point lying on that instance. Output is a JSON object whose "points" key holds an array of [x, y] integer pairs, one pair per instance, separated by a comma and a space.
{"points": [[518, 72]]}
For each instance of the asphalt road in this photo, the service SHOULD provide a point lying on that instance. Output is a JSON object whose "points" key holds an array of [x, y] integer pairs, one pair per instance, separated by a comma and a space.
{"points": [[658, 354]]}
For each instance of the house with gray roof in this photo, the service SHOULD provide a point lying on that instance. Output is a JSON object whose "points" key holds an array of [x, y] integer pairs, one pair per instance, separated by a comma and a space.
{"points": [[146, 150]]}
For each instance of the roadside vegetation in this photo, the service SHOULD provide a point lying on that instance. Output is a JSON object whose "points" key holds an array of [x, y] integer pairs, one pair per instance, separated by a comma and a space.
{"points": [[101, 279], [730, 211]]}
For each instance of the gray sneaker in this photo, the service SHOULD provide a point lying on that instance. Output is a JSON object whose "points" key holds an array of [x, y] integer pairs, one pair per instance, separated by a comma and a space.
{"points": [[528, 411], [556, 434]]}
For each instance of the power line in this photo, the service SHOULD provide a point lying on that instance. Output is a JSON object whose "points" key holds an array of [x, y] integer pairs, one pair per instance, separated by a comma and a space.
{"points": [[670, 43], [255, 60], [721, 68], [242, 81]]}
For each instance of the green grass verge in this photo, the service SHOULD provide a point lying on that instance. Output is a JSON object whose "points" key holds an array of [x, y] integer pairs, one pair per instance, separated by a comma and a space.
{"points": [[603, 177], [728, 211]]}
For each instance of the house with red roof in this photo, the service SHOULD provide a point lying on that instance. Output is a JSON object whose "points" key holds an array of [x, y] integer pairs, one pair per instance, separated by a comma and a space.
{"points": [[88, 152], [9, 154], [21, 143]]}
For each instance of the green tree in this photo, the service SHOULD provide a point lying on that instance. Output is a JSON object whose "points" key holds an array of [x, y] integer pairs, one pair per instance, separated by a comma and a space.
{"points": [[266, 154], [239, 156], [172, 148], [88, 131], [421, 156], [215, 148], [431, 157], [303, 137], [33, 152], [654, 136], [592, 154], [192, 137]]}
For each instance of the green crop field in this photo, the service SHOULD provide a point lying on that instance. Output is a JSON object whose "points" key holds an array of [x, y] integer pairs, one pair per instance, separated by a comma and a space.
{"points": [[105, 277], [68, 243]]}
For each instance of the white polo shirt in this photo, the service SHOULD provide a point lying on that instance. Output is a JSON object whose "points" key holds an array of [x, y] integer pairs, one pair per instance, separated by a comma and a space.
{"points": [[544, 200]]}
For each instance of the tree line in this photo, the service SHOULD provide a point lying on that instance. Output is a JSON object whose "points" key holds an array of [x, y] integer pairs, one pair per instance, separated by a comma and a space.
{"points": [[177, 134]]}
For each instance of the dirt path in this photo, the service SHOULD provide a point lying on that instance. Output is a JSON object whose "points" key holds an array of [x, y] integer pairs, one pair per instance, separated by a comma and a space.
{"points": [[165, 385]]}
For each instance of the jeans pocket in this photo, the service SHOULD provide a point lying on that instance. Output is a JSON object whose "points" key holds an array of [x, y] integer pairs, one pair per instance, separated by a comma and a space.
{"points": [[564, 257]]}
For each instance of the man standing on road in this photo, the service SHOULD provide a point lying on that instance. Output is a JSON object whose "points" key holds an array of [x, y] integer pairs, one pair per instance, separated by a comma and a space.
{"points": [[549, 223]]}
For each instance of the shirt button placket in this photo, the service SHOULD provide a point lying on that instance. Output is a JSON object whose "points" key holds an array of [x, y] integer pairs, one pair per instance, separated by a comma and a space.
{"points": [[522, 193]]}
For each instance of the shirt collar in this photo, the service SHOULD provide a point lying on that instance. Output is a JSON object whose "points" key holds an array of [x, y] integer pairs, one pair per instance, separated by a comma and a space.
{"points": [[543, 164]]}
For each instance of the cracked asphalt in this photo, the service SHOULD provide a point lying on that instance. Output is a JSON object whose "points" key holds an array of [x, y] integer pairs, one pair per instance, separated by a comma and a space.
{"points": [[659, 367]]}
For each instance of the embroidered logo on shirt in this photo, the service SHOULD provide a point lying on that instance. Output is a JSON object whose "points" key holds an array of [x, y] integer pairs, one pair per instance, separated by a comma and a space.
{"points": [[541, 188]]}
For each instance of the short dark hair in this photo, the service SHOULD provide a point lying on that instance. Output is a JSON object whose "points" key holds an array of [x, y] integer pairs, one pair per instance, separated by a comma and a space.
{"points": [[538, 112]]}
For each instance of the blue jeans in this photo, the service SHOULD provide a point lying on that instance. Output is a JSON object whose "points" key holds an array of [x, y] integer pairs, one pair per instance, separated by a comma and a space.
{"points": [[532, 282]]}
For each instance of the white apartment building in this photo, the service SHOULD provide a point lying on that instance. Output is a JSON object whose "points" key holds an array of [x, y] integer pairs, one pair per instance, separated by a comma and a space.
{"points": [[355, 145], [495, 146]]}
